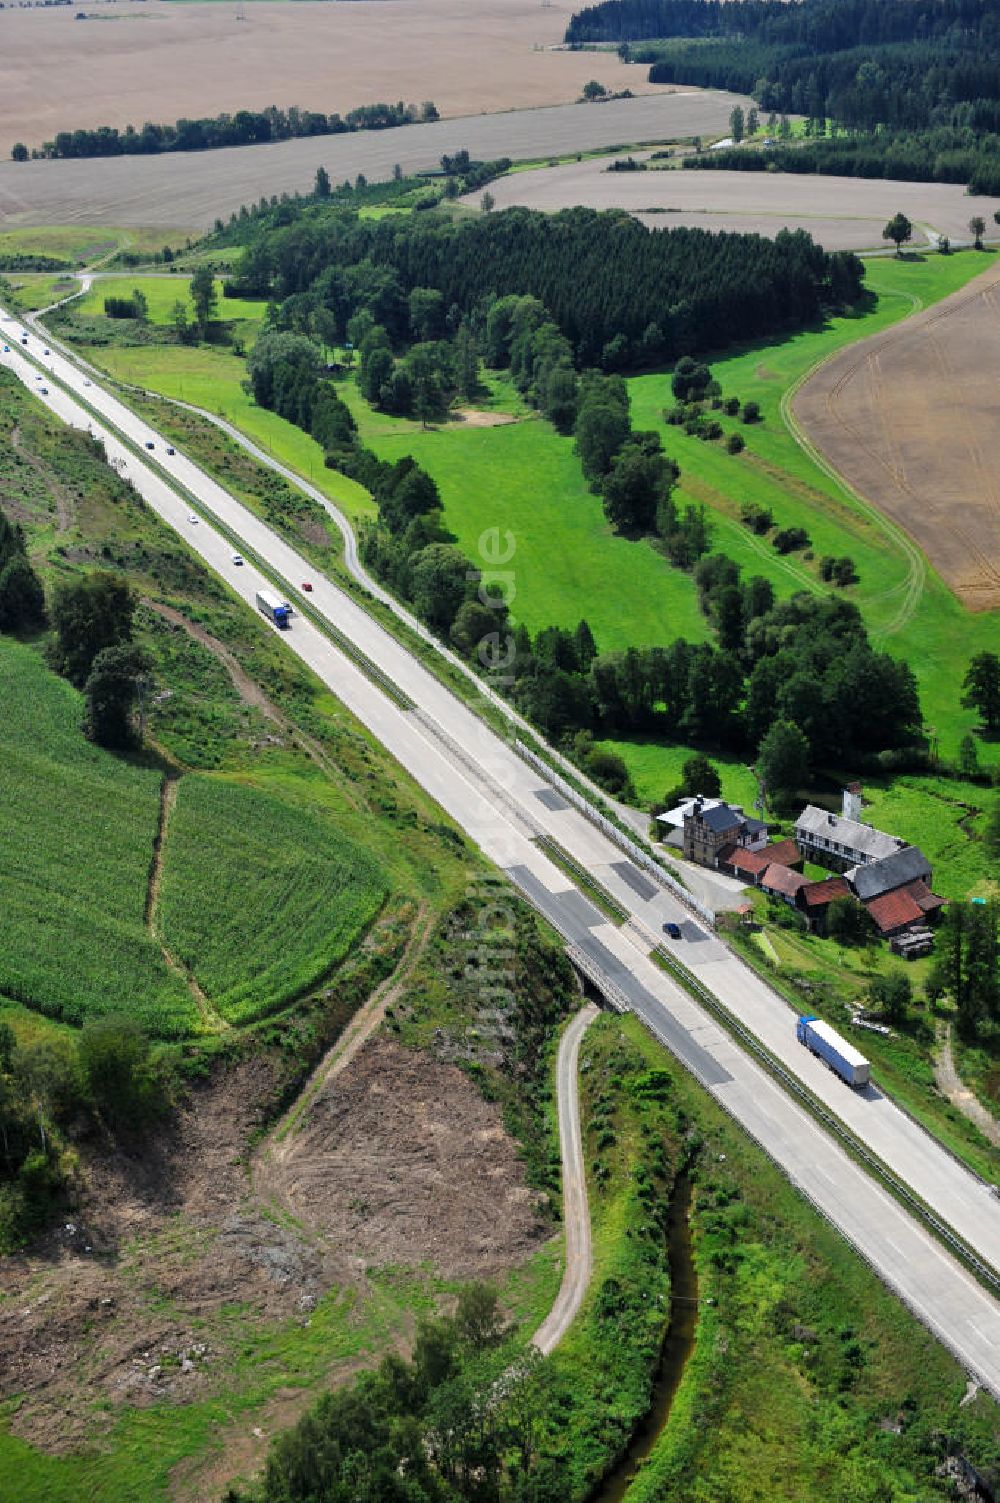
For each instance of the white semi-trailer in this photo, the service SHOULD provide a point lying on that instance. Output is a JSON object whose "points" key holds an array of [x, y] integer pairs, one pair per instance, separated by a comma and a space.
{"points": [[842, 1057], [274, 608]]}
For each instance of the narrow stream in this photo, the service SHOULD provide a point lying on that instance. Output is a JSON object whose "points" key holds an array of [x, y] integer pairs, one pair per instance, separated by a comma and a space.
{"points": [[678, 1345]]}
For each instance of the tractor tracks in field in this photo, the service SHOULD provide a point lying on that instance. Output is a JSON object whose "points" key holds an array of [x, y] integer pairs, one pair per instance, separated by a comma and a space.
{"points": [[212, 1020], [910, 588]]}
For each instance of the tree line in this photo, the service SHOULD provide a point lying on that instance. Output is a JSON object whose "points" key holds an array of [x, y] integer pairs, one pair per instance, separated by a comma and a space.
{"points": [[945, 154], [619, 293], [873, 66], [244, 128]]}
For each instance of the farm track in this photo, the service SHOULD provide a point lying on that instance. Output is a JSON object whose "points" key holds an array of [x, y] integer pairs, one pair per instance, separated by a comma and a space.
{"points": [[65, 510], [948, 1081], [213, 1021]]}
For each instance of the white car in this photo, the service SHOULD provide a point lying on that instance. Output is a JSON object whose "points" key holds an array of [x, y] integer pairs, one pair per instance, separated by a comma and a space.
{"points": [[192, 517], [237, 558], [43, 391], [85, 381]]}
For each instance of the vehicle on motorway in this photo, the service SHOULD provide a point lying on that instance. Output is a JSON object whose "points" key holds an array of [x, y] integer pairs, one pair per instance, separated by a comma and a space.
{"points": [[43, 391], [237, 558], [171, 449], [674, 930], [306, 586], [85, 381], [841, 1057], [46, 352], [6, 349], [274, 608], [150, 444], [192, 517], [24, 339]]}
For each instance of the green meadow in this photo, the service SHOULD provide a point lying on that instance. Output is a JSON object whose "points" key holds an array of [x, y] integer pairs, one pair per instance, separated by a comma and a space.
{"points": [[162, 293]]}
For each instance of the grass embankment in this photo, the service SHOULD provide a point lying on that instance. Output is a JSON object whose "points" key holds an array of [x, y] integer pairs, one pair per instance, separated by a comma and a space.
{"points": [[808, 1379], [291, 780], [212, 379], [634, 1144], [76, 511]]}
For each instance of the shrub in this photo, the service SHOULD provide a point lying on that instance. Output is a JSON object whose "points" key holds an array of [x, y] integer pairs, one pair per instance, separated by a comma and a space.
{"points": [[789, 539], [751, 412], [758, 518], [735, 443]]}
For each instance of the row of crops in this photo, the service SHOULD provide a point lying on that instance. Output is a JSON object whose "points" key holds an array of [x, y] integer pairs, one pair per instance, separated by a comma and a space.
{"points": [[259, 899]]}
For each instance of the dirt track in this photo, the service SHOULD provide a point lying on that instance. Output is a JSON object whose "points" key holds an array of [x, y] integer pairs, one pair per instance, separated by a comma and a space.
{"points": [[841, 213], [911, 419], [192, 188]]}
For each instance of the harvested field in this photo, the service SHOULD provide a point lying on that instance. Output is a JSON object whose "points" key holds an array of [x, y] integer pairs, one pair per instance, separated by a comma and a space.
{"points": [[911, 419], [841, 213], [160, 61], [192, 188]]}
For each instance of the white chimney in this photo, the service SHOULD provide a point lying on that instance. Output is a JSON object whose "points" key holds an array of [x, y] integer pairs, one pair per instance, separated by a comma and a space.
{"points": [[852, 802]]}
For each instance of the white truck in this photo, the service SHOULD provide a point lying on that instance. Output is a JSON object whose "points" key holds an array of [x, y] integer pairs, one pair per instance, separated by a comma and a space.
{"points": [[274, 608]]}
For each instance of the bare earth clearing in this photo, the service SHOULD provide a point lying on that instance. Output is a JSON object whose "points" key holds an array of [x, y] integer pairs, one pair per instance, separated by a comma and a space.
{"points": [[138, 60], [841, 213], [400, 1162], [192, 188], [911, 419]]}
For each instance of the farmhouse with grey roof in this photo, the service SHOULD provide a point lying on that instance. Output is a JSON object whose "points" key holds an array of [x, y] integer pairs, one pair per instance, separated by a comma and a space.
{"points": [[831, 840], [878, 877]]}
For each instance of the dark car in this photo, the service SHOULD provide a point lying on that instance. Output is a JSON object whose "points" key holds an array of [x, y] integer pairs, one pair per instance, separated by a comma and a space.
{"points": [[149, 443], [171, 449], [674, 930], [306, 585]]}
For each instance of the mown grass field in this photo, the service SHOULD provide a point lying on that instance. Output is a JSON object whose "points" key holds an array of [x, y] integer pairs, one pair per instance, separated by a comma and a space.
{"points": [[83, 244], [161, 294], [212, 379], [260, 899], [568, 563], [919, 620]]}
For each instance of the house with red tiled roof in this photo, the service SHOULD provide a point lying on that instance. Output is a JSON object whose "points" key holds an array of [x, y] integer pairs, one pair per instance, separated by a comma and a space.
{"points": [[781, 882], [904, 908], [814, 900]]}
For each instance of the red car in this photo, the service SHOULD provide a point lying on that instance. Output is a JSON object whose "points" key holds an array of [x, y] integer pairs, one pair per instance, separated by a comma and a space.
{"points": [[306, 585]]}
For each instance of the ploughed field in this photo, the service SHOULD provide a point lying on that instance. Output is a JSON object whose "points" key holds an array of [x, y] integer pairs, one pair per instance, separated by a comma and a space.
{"points": [[194, 187], [146, 60], [911, 419], [841, 213], [249, 902]]}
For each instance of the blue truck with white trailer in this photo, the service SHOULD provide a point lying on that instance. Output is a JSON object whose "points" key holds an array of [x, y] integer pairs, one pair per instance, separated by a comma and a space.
{"points": [[842, 1057], [276, 609]]}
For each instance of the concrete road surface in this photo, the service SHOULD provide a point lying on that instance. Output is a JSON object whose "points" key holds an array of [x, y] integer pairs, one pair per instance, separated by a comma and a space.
{"points": [[504, 806]]}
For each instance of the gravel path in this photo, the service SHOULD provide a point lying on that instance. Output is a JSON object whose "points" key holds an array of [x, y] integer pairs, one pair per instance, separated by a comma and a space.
{"points": [[949, 1081]]}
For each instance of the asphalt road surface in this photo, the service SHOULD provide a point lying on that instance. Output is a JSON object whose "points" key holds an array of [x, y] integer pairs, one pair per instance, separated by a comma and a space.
{"points": [[504, 807], [576, 1211]]}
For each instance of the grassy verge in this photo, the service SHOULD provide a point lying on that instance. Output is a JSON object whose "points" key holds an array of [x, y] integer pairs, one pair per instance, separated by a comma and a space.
{"points": [[831, 980], [808, 1378]]}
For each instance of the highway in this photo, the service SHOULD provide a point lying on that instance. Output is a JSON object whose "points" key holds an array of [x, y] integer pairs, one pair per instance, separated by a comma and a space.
{"points": [[517, 816]]}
